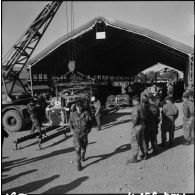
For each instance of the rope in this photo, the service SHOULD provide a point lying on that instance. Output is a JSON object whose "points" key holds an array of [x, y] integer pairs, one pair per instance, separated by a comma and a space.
{"points": [[67, 29], [73, 31]]}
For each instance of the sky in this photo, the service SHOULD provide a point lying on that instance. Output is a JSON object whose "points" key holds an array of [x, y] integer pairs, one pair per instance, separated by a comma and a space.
{"points": [[174, 19]]}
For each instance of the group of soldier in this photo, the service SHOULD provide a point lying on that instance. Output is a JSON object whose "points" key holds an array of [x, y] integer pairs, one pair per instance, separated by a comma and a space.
{"points": [[37, 109], [147, 113]]}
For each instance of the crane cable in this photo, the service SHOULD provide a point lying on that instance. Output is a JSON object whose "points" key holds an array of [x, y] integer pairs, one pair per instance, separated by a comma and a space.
{"points": [[67, 29], [72, 31]]}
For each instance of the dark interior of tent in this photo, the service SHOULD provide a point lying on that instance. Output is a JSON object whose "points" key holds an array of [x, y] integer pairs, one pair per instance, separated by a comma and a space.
{"points": [[121, 53]]}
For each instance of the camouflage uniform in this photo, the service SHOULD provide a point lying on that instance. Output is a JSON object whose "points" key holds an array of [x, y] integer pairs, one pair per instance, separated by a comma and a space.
{"points": [[37, 119], [137, 131], [152, 114], [188, 120], [97, 107], [170, 90], [80, 125], [169, 115], [145, 94]]}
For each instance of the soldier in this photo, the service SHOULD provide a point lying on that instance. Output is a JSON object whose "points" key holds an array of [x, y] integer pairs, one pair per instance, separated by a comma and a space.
{"points": [[145, 94], [43, 104], [170, 89], [137, 131], [80, 124], [97, 106], [152, 119], [35, 115], [188, 118], [169, 115]]}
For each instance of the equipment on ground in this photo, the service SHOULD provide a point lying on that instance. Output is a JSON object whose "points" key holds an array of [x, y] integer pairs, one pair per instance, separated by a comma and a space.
{"points": [[120, 100]]}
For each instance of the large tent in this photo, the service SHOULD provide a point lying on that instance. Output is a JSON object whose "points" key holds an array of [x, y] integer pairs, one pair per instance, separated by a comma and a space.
{"points": [[126, 51]]}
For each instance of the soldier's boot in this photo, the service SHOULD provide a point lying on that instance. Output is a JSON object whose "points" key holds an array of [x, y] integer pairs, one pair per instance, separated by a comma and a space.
{"points": [[99, 128], [144, 156], [154, 148], [32, 130], [170, 144], [83, 156], [39, 144], [79, 166], [163, 144], [133, 159], [44, 132], [187, 142], [155, 152]]}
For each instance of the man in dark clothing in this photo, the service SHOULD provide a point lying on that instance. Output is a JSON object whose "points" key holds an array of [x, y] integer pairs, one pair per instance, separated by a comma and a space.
{"points": [[80, 124], [43, 104], [170, 89], [152, 119], [188, 118], [137, 131], [36, 118], [97, 107], [169, 115]]}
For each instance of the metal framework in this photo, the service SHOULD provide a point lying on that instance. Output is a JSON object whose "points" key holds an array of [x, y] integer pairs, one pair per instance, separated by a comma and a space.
{"points": [[15, 60]]}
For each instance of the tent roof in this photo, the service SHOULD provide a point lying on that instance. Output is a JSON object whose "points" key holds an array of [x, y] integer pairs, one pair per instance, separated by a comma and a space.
{"points": [[120, 38]]}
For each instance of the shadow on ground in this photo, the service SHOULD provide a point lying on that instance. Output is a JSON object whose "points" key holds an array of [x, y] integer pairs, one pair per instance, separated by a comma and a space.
{"points": [[58, 142], [32, 186], [116, 123], [120, 149], [177, 141], [7, 164], [54, 153], [61, 189], [112, 117], [9, 179]]}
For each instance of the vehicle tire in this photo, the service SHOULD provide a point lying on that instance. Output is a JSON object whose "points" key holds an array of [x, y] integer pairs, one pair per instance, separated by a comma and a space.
{"points": [[12, 121]]}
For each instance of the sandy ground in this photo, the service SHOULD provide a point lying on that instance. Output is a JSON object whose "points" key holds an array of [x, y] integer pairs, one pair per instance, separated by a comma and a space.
{"points": [[53, 169]]}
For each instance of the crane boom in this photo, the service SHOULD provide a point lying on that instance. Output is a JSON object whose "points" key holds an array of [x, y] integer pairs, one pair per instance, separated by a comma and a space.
{"points": [[15, 60]]}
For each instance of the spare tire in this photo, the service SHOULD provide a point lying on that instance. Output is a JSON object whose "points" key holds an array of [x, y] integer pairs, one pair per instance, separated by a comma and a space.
{"points": [[12, 121]]}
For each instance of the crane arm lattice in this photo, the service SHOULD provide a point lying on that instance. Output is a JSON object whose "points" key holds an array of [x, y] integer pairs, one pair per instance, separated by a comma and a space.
{"points": [[15, 60]]}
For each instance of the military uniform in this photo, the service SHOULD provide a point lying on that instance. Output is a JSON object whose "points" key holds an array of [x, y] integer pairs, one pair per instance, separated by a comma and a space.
{"points": [[137, 131], [152, 114], [188, 120], [169, 115], [80, 124], [97, 114], [145, 94], [170, 90], [36, 118]]}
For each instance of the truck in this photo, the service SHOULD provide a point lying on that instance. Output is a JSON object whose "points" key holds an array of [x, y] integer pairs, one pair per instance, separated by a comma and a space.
{"points": [[16, 93]]}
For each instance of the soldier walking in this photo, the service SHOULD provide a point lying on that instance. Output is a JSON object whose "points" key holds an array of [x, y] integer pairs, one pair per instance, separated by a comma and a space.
{"points": [[188, 117], [36, 118], [169, 114], [137, 131], [97, 108], [80, 124], [152, 119]]}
